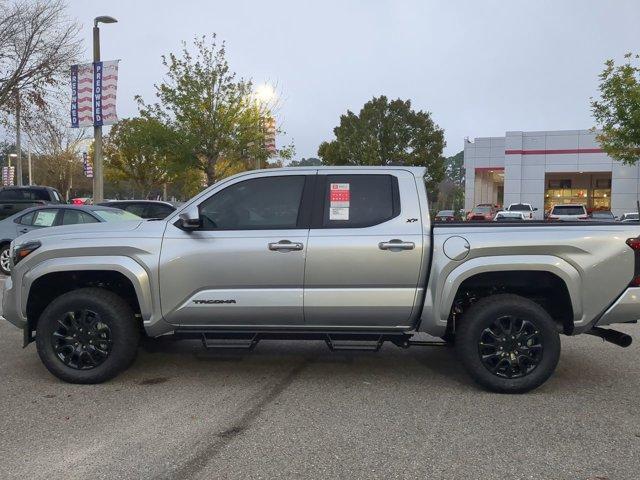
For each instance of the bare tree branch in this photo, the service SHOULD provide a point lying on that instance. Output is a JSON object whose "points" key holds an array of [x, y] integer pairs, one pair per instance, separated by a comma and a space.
{"points": [[38, 42]]}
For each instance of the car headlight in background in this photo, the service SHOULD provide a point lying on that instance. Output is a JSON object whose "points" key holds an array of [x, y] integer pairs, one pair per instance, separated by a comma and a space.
{"points": [[24, 250]]}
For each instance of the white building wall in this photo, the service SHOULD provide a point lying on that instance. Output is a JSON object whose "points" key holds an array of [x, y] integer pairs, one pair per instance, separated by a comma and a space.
{"points": [[565, 151]]}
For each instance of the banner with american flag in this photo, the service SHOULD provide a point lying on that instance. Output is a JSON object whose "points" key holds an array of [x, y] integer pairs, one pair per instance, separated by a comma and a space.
{"points": [[86, 166], [93, 94]]}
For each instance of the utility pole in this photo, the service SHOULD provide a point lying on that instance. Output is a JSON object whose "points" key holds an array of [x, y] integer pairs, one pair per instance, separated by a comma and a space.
{"points": [[98, 178], [29, 160], [18, 147]]}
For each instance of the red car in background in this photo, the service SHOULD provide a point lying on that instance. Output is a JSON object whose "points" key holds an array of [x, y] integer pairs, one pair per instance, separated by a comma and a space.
{"points": [[483, 212]]}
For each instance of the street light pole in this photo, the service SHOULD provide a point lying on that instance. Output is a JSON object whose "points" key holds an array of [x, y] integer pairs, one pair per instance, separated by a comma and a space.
{"points": [[98, 178], [18, 145]]}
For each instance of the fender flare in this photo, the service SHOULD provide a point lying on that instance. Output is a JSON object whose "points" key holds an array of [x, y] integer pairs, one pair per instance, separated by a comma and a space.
{"points": [[438, 302], [124, 265]]}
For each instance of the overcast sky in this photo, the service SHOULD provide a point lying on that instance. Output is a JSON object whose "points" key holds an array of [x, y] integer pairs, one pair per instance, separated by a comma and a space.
{"points": [[481, 67]]}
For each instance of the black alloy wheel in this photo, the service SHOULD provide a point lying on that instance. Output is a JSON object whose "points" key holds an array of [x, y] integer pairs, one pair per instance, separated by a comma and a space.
{"points": [[510, 347], [82, 341], [508, 343]]}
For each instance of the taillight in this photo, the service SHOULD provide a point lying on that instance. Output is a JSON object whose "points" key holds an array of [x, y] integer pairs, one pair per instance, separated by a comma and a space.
{"points": [[552, 217], [634, 243]]}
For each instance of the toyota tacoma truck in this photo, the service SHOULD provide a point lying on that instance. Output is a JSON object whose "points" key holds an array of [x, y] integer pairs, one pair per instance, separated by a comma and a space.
{"points": [[347, 255]]}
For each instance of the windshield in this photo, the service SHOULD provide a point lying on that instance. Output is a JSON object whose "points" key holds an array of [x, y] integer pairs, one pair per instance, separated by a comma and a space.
{"points": [[113, 215], [519, 207], [568, 210]]}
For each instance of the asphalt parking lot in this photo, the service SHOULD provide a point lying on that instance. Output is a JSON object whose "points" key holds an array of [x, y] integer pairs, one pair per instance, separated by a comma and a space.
{"points": [[296, 410]]}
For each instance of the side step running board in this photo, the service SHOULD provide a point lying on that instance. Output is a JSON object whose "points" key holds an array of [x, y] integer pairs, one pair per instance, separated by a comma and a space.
{"points": [[335, 343], [240, 342]]}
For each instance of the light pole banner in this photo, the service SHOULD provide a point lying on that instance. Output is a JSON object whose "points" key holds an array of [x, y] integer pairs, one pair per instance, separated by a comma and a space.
{"points": [[93, 94], [81, 90], [109, 91]]}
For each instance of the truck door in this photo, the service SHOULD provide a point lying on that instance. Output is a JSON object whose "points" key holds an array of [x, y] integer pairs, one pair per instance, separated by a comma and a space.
{"points": [[245, 265], [364, 251]]}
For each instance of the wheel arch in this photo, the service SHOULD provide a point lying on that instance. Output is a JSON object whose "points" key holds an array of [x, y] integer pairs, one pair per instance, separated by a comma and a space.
{"points": [[505, 267], [56, 276]]}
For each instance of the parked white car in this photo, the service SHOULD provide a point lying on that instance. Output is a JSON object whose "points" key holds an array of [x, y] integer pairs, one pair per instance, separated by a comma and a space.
{"points": [[568, 213], [509, 216], [526, 208]]}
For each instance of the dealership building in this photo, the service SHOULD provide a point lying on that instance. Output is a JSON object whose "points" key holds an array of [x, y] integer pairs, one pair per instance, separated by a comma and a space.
{"points": [[546, 169]]}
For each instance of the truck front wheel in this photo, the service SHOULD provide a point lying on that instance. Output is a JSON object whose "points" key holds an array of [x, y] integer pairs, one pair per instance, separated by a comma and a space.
{"points": [[508, 343], [87, 335]]}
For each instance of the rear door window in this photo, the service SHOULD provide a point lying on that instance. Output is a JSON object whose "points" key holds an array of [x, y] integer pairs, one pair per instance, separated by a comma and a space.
{"points": [[44, 218], [357, 201], [73, 217]]}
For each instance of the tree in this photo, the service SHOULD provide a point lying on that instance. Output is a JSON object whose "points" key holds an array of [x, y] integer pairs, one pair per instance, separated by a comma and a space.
{"points": [[221, 123], [37, 44], [56, 146], [451, 189], [617, 113], [144, 151], [306, 162], [454, 169], [388, 133]]}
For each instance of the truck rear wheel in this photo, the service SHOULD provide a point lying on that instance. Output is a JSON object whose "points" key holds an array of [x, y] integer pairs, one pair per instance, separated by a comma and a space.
{"points": [[508, 343], [87, 336]]}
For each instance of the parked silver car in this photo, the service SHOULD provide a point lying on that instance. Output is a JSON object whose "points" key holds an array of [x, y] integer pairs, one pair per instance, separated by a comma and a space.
{"points": [[49, 216]]}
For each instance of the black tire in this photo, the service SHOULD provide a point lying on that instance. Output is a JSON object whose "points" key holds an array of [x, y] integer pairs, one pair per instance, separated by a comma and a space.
{"points": [[109, 319], [528, 364], [4, 252]]}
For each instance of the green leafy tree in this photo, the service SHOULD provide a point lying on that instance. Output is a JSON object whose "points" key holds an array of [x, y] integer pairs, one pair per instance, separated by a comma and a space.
{"points": [[454, 169], [451, 189], [145, 152], [388, 133], [617, 112], [306, 162], [216, 115]]}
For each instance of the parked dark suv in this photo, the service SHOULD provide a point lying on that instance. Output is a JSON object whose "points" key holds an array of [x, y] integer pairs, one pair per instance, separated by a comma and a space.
{"points": [[16, 199]]}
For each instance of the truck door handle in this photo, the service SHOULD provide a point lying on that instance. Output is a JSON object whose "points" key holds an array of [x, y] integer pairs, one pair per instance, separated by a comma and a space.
{"points": [[396, 244], [285, 245]]}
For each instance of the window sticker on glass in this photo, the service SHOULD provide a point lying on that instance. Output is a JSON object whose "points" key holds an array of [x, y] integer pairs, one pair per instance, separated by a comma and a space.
{"points": [[339, 198]]}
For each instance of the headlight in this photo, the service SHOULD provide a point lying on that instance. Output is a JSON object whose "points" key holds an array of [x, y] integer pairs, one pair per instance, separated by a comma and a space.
{"points": [[22, 251]]}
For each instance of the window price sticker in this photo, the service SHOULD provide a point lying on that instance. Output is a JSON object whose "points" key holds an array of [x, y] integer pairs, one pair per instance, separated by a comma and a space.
{"points": [[339, 198]]}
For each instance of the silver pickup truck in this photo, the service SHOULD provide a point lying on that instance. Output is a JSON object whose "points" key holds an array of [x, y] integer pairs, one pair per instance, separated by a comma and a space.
{"points": [[344, 255]]}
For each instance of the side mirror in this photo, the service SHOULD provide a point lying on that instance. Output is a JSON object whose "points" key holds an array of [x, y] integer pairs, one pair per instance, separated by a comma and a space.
{"points": [[189, 219], [535, 209]]}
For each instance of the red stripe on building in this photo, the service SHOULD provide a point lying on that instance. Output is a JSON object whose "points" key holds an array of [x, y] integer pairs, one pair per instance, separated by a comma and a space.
{"points": [[553, 152], [489, 169]]}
